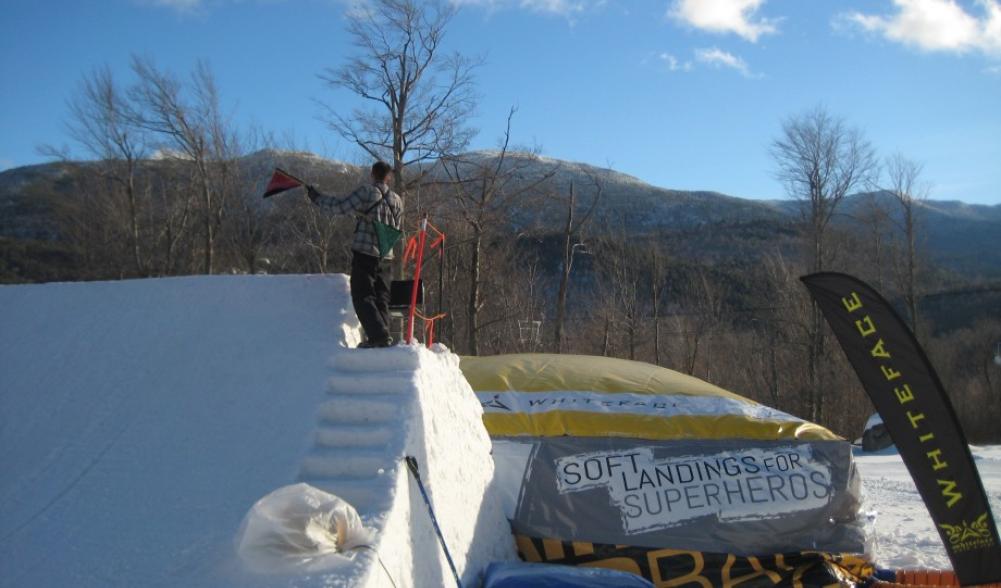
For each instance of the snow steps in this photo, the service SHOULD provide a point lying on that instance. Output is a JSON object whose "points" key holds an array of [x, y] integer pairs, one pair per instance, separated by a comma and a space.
{"points": [[358, 383], [353, 435], [357, 411], [360, 361], [367, 495], [347, 463], [358, 441]]}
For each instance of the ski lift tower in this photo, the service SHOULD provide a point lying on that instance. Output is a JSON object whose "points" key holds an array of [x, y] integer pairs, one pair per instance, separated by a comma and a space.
{"points": [[529, 332]]}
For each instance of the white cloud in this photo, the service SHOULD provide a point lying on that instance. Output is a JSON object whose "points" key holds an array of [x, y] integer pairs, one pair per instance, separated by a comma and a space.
{"points": [[670, 60], [724, 16], [710, 57], [716, 57], [673, 63], [937, 25]]}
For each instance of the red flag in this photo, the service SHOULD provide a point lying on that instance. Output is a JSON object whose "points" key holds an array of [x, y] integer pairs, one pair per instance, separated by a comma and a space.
{"points": [[281, 181]]}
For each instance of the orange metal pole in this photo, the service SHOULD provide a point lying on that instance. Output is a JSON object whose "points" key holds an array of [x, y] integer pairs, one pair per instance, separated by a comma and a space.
{"points": [[417, 278]]}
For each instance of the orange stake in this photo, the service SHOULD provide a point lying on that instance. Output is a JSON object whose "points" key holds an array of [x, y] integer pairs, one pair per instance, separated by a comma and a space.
{"points": [[422, 237]]}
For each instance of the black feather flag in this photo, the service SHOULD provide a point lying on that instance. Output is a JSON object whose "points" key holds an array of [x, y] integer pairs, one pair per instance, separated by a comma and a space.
{"points": [[916, 411]]}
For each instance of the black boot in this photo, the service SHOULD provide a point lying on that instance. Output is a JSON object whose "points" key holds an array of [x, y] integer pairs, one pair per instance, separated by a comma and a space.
{"points": [[369, 344]]}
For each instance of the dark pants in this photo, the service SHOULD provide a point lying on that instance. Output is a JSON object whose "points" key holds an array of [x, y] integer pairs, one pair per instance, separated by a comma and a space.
{"points": [[370, 295]]}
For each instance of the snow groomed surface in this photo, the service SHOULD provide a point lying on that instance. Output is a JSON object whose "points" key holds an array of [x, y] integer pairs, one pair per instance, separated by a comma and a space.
{"points": [[902, 533], [141, 420]]}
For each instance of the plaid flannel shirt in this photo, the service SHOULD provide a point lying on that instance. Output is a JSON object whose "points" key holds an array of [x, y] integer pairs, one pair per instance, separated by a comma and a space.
{"points": [[389, 212]]}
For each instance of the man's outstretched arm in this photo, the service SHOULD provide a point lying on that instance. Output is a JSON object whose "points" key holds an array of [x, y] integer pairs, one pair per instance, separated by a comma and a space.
{"points": [[350, 204]]}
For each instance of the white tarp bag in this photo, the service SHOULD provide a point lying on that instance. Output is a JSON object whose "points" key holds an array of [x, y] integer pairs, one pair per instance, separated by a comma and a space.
{"points": [[300, 528]]}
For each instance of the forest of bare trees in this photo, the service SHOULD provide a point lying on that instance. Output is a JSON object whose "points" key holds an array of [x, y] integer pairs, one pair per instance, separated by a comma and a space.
{"points": [[169, 192]]}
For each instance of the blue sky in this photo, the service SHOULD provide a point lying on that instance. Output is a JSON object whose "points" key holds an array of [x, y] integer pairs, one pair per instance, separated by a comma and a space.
{"points": [[684, 94]]}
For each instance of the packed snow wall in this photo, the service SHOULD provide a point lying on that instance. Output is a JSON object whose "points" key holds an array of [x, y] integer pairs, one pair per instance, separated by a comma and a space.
{"points": [[385, 405], [141, 420]]}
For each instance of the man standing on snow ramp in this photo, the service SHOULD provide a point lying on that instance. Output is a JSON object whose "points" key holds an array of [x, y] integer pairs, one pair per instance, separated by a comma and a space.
{"points": [[379, 211]]}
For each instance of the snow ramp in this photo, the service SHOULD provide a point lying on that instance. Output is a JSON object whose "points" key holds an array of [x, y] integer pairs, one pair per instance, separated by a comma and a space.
{"points": [[140, 421]]}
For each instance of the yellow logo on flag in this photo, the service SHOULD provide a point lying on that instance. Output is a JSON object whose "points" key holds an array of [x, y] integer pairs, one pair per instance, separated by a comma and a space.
{"points": [[967, 536]]}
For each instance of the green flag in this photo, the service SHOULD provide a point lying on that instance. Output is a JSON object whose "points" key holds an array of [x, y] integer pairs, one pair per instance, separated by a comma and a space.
{"points": [[387, 235]]}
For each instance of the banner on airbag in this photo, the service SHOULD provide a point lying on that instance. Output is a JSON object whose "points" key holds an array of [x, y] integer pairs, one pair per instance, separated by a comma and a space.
{"points": [[709, 495]]}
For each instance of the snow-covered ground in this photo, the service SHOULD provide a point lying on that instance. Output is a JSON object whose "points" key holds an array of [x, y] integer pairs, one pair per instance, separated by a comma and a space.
{"points": [[903, 534], [141, 420]]}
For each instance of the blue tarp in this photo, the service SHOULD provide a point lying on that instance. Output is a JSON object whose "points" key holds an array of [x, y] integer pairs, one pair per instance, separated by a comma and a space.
{"points": [[534, 575]]}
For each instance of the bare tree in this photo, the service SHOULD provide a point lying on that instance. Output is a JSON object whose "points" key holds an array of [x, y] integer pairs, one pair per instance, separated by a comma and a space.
{"points": [[513, 279], [905, 186], [172, 199], [875, 215], [621, 274], [821, 160], [252, 224], [706, 319], [100, 121], [788, 329], [603, 314], [572, 237], [249, 229], [485, 192], [657, 287], [320, 236], [419, 97], [527, 301], [193, 128]]}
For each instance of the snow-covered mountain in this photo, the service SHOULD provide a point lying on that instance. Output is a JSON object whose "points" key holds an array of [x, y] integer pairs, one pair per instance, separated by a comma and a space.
{"points": [[961, 236], [24, 209], [627, 202]]}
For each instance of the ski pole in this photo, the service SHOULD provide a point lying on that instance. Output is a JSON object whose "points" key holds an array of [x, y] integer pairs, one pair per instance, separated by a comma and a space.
{"points": [[412, 466]]}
